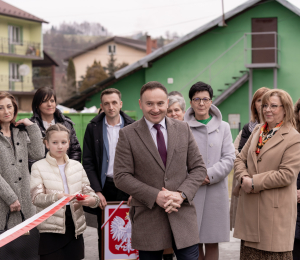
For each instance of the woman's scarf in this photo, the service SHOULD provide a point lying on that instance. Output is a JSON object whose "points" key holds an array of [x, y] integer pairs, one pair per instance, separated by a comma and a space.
{"points": [[266, 134]]}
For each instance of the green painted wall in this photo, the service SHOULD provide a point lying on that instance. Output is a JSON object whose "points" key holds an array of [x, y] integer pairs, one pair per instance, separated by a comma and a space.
{"points": [[130, 88], [185, 63]]}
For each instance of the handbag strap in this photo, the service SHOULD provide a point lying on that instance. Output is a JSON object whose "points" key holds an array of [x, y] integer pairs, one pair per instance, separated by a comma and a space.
{"points": [[8, 216]]}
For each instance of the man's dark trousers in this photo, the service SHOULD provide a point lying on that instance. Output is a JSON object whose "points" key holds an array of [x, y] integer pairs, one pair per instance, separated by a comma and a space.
{"points": [[188, 253]]}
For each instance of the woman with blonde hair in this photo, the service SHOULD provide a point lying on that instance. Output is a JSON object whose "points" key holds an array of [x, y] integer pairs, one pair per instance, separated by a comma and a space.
{"points": [[255, 116], [267, 169], [239, 143]]}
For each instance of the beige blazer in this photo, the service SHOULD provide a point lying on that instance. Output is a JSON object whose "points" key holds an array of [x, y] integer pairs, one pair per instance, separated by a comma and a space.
{"points": [[266, 220], [140, 172]]}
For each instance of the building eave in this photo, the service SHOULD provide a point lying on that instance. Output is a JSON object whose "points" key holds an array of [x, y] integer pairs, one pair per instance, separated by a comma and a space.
{"points": [[24, 18], [115, 39]]}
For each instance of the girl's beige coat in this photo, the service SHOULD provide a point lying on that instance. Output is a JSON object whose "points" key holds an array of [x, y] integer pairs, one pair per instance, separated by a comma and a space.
{"points": [[266, 219], [46, 183]]}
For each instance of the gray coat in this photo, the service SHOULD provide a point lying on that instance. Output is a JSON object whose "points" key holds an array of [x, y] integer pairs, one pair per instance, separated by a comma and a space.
{"points": [[211, 201], [14, 174]]}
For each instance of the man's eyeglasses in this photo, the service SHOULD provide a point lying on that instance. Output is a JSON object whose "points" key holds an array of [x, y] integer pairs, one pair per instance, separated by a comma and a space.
{"points": [[272, 107], [198, 100]]}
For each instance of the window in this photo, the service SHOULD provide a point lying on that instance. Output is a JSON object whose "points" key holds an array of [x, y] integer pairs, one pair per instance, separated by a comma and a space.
{"points": [[112, 49], [14, 72], [14, 34]]}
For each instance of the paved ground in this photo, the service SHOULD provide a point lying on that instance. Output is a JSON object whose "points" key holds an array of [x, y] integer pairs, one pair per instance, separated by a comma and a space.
{"points": [[228, 251]]}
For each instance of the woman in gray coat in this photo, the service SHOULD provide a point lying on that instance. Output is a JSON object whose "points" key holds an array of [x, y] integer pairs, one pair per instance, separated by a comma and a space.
{"points": [[18, 142], [215, 144]]}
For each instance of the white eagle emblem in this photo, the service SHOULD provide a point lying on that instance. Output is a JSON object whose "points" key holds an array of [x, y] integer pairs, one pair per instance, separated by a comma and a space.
{"points": [[122, 232]]}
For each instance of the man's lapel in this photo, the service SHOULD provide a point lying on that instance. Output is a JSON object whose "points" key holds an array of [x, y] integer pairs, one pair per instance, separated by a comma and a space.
{"points": [[145, 136], [172, 139]]}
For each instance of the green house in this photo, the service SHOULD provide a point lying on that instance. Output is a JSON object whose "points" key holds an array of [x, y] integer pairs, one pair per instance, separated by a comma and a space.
{"points": [[258, 45]]}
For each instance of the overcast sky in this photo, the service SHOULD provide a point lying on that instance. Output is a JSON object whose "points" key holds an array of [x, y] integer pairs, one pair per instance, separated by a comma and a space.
{"points": [[126, 17]]}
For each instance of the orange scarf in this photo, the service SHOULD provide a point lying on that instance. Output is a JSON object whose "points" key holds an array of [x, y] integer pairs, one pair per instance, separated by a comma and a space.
{"points": [[266, 134]]}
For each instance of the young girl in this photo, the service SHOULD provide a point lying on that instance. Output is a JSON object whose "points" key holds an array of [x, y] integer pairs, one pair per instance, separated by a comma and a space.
{"points": [[51, 179]]}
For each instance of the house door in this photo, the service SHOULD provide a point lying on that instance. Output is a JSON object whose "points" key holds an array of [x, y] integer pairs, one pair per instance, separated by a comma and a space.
{"points": [[262, 25]]}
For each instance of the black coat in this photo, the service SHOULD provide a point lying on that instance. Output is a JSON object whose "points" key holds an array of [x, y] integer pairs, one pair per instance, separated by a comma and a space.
{"points": [[244, 137], [297, 235], [93, 149], [74, 151]]}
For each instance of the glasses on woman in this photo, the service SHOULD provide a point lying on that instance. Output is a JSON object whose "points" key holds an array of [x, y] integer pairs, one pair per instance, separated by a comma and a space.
{"points": [[198, 100], [272, 107]]}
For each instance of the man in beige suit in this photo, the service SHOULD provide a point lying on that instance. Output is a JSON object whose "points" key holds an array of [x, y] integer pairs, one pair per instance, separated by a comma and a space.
{"points": [[153, 157]]}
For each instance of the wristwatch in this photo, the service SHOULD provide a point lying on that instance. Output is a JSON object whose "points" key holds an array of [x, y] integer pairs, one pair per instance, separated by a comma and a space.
{"points": [[183, 196]]}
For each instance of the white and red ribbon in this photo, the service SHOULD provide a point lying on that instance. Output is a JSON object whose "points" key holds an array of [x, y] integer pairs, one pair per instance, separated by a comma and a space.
{"points": [[32, 222], [121, 203]]}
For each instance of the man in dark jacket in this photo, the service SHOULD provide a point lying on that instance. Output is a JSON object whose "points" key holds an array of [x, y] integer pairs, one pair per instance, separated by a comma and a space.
{"points": [[100, 140]]}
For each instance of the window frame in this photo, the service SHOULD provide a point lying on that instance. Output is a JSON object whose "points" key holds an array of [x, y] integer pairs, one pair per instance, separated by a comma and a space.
{"points": [[14, 75], [15, 34], [109, 47]]}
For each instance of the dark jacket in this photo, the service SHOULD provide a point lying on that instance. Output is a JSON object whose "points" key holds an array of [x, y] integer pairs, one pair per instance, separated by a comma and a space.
{"points": [[244, 137], [297, 235], [93, 149], [74, 151]]}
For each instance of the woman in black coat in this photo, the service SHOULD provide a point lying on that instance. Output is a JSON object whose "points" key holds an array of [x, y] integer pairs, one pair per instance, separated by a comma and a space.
{"points": [[46, 114], [255, 117], [296, 251]]}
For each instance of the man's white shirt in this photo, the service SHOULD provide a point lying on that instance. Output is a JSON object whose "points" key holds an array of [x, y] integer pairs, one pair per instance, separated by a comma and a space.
{"points": [[153, 131], [113, 137]]}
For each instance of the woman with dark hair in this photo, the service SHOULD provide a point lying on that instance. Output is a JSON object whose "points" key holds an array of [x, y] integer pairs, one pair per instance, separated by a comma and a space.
{"points": [[18, 142], [296, 251], [214, 140], [46, 114]]}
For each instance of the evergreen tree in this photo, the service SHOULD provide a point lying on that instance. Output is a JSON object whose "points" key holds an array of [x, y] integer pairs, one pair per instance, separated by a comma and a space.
{"points": [[94, 75], [71, 77], [111, 65]]}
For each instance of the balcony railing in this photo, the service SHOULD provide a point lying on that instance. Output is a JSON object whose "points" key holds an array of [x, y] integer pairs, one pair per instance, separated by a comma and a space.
{"points": [[23, 83], [20, 83], [23, 48]]}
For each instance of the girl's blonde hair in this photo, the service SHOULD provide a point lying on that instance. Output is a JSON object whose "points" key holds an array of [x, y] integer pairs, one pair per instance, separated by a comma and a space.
{"points": [[286, 102], [58, 128]]}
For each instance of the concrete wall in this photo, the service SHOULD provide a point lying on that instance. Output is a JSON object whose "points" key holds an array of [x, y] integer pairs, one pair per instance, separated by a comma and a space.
{"points": [[123, 54]]}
